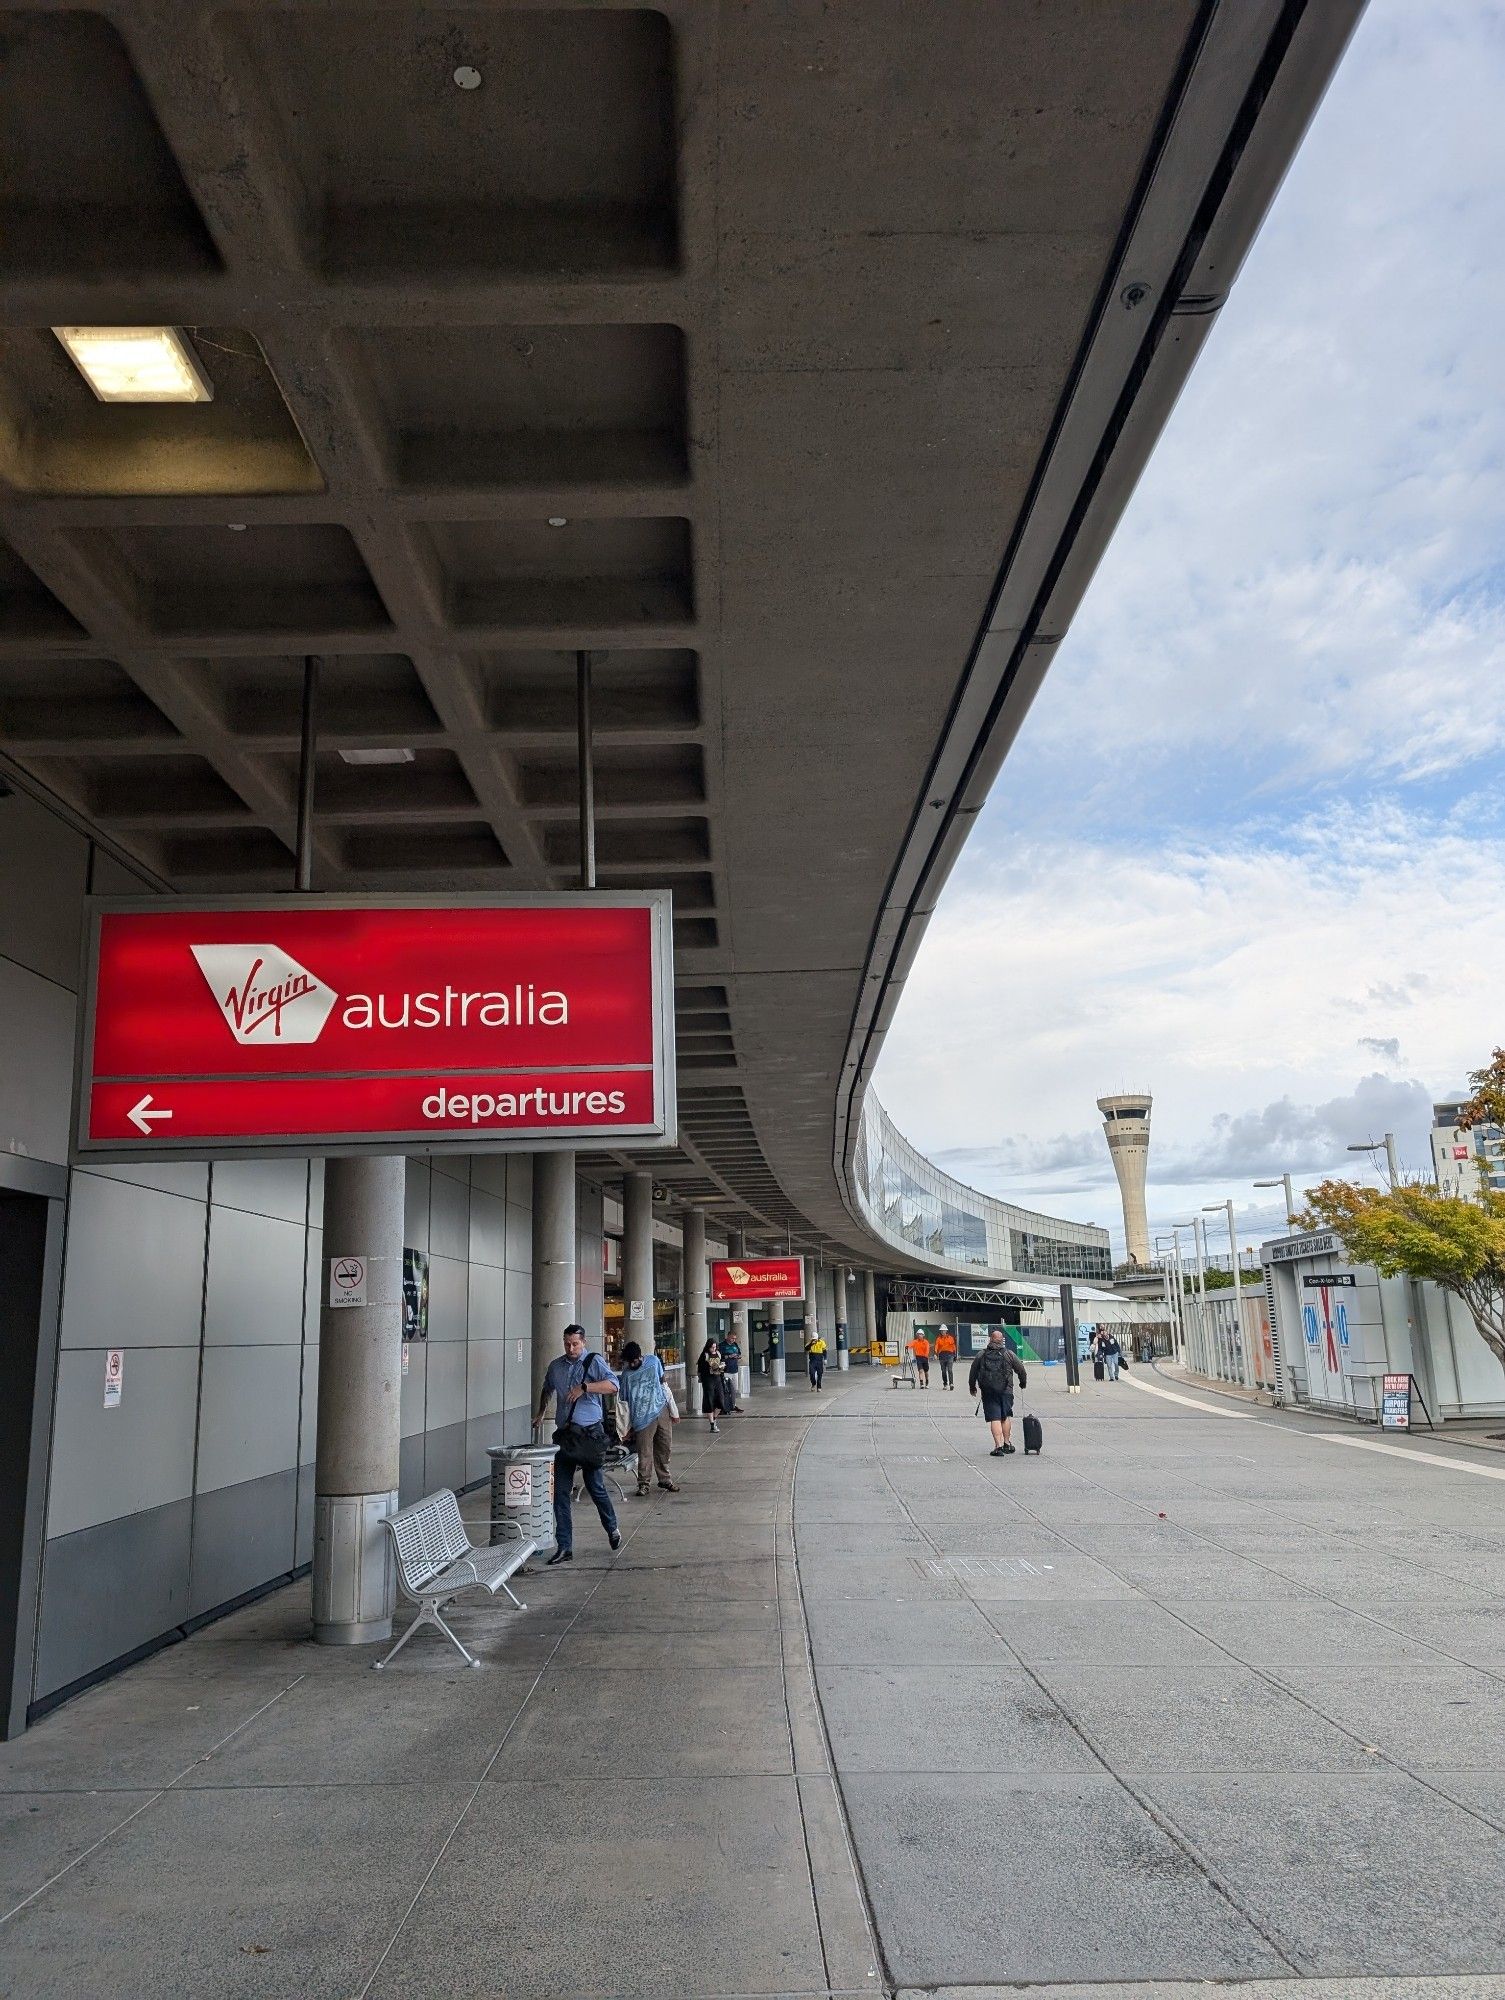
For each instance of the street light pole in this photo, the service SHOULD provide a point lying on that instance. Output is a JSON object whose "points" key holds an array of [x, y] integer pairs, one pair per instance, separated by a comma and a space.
{"points": [[1387, 1144], [1238, 1296], [1285, 1182]]}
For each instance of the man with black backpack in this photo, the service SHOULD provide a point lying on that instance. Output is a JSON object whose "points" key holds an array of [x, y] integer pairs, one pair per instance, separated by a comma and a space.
{"points": [[992, 1377], [578, 1381]]}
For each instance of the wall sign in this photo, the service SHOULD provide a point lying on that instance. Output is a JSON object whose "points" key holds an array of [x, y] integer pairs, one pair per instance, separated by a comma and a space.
{"points": [[735, 1279], [1395, 1402], [114, 1377], [332, 1024], [415, 1295]]}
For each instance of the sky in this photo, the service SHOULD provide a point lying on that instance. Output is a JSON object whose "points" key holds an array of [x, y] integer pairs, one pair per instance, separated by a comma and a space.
{"points": [[1248, 852]]}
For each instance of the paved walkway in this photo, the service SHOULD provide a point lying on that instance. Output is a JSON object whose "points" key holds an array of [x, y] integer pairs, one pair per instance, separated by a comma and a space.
{"points": [[1200, 1695]]}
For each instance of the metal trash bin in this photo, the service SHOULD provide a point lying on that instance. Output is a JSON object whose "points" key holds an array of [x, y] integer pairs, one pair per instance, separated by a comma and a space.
{"points": [[522, 1490]]}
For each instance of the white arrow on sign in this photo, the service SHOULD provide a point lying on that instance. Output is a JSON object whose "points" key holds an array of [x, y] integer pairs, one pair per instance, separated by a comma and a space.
{"points": [[142, 1117]]}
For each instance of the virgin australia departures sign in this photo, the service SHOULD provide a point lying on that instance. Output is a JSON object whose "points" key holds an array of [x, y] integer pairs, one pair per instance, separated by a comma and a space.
{"points": [[347, 1024]]}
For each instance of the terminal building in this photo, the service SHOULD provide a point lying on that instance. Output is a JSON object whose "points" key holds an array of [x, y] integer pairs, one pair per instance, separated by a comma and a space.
{"points": [[450, 455]]}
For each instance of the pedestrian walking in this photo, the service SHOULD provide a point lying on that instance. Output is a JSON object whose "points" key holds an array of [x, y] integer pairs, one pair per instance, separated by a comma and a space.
{"points": [[992, 1378], [710, 1371], [945, 1354], [731, 1357], [578, 1381], [1112, 1355], [650, 1414], [815, 1360], [919, 1347]]}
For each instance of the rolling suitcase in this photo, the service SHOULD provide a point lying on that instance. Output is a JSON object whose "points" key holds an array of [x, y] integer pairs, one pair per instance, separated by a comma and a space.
{"points": [[1097, 1371], [1034, 1437]]}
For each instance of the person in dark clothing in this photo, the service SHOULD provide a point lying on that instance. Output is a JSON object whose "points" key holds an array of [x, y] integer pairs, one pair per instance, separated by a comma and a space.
{"points": [[992, 1377]]}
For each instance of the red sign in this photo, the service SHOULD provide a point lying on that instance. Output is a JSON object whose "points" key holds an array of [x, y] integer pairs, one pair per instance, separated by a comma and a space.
{"points": [[330, 1024], [734, 1278]]}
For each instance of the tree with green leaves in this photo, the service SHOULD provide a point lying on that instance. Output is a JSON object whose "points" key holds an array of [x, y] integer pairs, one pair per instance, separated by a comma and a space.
{"points": [[1456, 1242], [1487, 1105]]}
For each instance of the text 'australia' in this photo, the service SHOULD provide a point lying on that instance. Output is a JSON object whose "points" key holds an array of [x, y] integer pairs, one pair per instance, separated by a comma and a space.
{"points": [[451, 1007]]}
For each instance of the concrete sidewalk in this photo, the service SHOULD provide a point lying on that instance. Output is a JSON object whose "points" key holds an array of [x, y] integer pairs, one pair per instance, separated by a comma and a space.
{"points": [[1184, 1700]]}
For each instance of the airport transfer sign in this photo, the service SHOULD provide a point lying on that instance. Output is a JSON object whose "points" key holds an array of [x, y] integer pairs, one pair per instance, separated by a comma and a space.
{"points": [[330, 1024]]}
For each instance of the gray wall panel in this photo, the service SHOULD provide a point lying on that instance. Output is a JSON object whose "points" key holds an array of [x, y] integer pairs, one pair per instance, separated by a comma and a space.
{"points": [[449, 1216], [415, 1228], [448, 1299], [488, 1228], [265, 1187], [303, 1551], [444, 1459], [488, 1303], [488, 1171], [134, 1275], [517, 1321], [410, 1484], [255, 1289], [520, 1179], [519, 1238], [485, 1362], [110, 1589], [43, 868], [480, 1434], [315, 1286], [121, 1461], [189, 1178], [446, 1384], [308, 1422], [243, 1536], [415, 1388], [36, 1032], [248, 1414]]}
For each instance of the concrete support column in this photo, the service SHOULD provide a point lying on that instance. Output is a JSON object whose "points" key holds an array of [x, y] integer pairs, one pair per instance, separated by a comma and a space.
{"points": [[554, 1259], [637, 1259], [841, 1278], [360, 1403], [695, 1283], [870, 1308], [778, 1373], [737, 1247]]}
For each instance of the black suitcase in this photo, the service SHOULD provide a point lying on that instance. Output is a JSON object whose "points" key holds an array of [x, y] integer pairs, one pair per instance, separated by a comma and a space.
{"points": [[1097, 1370], [1034, 1437]]}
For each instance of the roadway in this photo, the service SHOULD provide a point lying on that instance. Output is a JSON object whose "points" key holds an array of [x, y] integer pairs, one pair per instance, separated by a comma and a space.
{"points": [[1203, 1694]]}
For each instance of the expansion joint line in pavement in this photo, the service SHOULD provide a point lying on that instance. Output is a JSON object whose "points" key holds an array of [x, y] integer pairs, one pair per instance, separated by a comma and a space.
{"points": [[1289, 1953], [880, 1967], [147, 1804], [1264, 1674]]}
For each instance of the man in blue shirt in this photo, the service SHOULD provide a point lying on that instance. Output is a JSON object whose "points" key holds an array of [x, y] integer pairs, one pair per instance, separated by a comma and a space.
{"points": [[578, 1381]]}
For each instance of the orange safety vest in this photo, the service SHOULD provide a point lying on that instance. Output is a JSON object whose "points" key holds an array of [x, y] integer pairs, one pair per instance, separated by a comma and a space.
{"points": [[945, 1343], [921, 1347]]}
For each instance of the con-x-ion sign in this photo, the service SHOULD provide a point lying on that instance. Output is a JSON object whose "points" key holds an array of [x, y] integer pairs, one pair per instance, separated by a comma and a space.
{"points": [[350, 1024]]}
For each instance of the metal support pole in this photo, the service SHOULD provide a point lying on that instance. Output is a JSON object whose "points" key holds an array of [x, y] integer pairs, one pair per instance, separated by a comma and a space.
{"points": [[841, 1278], [360, 1402], [303, 879], [637, 1259], [695, 1297], [870, 1312], [554, 1256], [1068, 1336], [587, 773], [737, 1247]]}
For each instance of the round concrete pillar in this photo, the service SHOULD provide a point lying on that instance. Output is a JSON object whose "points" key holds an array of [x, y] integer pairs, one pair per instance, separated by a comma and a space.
{"points": [[360, 1401], [637, 1260], [737, 1247], [840, 1280], [778, 1373], [554, 1254]]}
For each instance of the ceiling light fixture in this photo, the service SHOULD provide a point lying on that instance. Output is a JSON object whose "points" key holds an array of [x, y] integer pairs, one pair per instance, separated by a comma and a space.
{"points": [[468, 78], [558, 521], [136, 364], [378, 756]]}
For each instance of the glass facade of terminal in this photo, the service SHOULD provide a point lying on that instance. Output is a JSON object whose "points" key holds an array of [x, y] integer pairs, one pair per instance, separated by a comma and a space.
{"points": [[910, 1201]]}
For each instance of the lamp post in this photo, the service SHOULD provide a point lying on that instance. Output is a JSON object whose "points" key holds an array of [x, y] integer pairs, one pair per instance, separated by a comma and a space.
{"points": [[1245, 1373], [1387, 1145], [1285, 1182], [1199, 1242]]}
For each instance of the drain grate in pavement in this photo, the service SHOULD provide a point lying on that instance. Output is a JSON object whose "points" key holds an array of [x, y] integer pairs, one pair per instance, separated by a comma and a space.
{"points": [[911, 1458], [942, 1568]]}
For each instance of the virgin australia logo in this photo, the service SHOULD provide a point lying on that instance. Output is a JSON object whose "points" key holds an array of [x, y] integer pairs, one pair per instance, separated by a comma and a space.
{"points": [[264, 995]]}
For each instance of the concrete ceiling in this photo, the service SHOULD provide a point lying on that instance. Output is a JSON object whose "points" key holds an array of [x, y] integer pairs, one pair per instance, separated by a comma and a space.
{"points": [[793, 313]]}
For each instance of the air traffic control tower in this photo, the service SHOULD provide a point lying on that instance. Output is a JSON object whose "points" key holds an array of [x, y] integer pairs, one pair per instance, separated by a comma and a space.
{"points": [[1126, 1122]]}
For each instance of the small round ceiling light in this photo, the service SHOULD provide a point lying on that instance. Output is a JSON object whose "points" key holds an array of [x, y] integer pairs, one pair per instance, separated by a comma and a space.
{"points": [[236, 527], [558, 521], [468, 78]]}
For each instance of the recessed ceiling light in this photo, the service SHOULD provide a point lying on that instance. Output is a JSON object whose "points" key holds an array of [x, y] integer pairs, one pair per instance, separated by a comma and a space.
{"points": [[236, 527], [468, 78], [136, 364], [558, 521], [378, 756]]}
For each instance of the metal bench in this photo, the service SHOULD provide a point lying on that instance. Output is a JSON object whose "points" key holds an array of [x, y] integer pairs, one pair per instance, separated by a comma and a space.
{"points": [[436, 1561]]}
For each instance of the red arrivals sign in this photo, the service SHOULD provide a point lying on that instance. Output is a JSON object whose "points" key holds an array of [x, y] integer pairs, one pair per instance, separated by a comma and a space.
{"points": [[734, 1278], [340, 1024]]}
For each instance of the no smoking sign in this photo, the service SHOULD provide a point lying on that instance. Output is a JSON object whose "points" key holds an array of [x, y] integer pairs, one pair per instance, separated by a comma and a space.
{"points": [[347, 1281]]}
